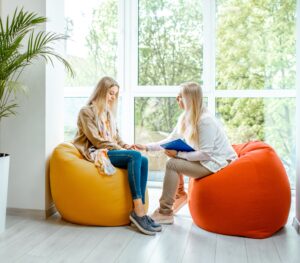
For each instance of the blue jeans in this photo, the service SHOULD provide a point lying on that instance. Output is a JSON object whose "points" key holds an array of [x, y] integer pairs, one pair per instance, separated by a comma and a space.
{"points": [[137, 166]]}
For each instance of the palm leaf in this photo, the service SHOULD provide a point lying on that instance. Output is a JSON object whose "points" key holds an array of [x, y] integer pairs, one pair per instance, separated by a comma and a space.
{"points": [[12, 61], [7, 110]]}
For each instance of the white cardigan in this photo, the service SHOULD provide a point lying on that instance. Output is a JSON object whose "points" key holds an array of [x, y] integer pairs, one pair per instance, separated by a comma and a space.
{"points": [[215, 151]]}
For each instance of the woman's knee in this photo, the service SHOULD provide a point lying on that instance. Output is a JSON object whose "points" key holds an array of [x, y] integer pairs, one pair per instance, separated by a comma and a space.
{"points": [[172, 164], [134, 154]]}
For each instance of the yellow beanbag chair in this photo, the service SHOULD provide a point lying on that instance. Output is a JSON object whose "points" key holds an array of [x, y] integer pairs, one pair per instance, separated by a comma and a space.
{"points": [[83, 196]]}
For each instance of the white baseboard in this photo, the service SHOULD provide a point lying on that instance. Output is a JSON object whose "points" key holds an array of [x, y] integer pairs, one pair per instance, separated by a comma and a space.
{"points": [[296, 225], [51, 210], [31, 213]]}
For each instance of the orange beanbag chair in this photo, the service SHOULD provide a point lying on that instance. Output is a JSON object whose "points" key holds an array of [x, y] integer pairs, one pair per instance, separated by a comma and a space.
{"points": [[250, 197], [83, 196]]}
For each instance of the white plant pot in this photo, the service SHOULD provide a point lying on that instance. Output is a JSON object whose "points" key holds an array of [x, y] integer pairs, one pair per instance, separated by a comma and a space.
{"points": [[4, 171]]}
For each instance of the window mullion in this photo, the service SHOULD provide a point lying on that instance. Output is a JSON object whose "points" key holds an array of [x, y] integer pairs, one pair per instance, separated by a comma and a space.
{"points": [[130, 11], [209, 52], [121, 44], [255, 93]]}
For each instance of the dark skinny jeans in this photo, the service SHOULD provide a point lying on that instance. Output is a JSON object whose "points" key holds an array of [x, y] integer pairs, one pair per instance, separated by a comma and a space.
{"points": [[137, 166]]}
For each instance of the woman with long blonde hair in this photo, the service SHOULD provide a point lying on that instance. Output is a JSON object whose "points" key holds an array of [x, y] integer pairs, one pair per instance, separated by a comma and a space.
{"points": [[97, 132], [203, 133]]}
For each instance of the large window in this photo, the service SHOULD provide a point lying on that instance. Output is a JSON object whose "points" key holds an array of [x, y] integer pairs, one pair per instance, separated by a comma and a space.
{"points": [[242, 53], [92, 49], [256, 55]]}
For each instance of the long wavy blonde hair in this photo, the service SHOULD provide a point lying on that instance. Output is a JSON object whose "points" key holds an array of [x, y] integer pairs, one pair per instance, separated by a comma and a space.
{"points": [[192, 96], [98, 98]]}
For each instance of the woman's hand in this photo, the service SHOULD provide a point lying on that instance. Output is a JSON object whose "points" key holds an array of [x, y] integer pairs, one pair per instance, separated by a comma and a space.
{"points": [[171, 153], [140, 147], [128, 146]]}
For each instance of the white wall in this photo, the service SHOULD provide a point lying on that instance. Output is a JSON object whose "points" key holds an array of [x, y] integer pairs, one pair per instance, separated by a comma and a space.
{"points": [[31, 136]]}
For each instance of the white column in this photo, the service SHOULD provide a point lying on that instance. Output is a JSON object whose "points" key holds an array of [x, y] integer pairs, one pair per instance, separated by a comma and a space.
{"points": [[54, 88], [30, 136], [298, 114]]}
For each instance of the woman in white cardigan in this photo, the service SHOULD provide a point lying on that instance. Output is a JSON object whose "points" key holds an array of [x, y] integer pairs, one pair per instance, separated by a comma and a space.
{"points": [[200, 130]]}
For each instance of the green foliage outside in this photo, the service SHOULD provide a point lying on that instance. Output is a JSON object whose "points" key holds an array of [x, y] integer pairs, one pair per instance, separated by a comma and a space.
{"points": [[255, 49], [256, 44], [170, 42], [156, 114], [102, 45]]}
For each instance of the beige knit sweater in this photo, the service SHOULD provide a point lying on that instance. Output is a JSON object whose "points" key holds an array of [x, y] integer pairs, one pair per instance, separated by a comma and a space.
{"points": [[88, 134]]}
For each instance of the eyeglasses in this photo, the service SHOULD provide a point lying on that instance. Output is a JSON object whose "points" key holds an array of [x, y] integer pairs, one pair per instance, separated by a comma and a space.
{"points": [[179, 98]]}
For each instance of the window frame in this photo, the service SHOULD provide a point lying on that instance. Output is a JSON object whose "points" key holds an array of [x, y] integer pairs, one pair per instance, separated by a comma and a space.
{"points": [[127, 76]]}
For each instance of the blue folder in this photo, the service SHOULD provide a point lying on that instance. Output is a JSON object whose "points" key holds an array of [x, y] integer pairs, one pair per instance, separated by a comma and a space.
{"points": [[178, 145]]}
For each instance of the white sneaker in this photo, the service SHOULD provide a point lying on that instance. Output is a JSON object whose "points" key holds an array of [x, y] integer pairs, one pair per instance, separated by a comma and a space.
{"points": [[161, 218]]}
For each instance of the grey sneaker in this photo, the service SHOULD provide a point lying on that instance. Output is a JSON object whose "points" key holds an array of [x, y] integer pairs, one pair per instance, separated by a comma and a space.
{"points": [[142, 223], [157, 227]]}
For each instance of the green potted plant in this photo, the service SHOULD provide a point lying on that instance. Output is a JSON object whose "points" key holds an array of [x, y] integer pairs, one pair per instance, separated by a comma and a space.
{"points": [[20, 45]]}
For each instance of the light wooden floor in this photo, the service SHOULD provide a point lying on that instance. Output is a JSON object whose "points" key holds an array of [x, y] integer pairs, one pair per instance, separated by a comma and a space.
{"points": [[54, 240]]}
